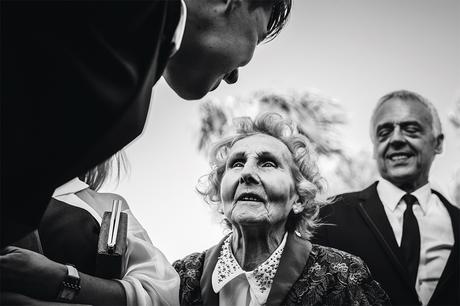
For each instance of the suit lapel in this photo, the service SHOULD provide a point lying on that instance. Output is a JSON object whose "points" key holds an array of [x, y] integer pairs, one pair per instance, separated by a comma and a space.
{"points": [[292, 264], [371, 209], [452, 261], [208, 295]]}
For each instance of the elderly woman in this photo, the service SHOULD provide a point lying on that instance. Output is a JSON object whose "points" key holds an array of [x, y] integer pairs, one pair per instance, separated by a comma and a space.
{"points": [[265, 182]]}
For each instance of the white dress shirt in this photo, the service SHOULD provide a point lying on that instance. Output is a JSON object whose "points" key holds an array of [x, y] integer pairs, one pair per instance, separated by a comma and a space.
{"points": [[246, 288], [149, 279], [436, 231]]}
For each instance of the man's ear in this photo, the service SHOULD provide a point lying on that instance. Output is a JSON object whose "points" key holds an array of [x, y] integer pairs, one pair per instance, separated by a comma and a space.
{"points": [[230, 5], [438, 145]]}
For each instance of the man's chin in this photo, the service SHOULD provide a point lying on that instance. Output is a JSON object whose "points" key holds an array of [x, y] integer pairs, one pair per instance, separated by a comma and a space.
{"points": [[400, 175], [190, 92]]}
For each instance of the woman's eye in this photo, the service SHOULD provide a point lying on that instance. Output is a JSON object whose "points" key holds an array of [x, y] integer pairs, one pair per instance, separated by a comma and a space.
{"points": [[237, 164], [269, 164]]}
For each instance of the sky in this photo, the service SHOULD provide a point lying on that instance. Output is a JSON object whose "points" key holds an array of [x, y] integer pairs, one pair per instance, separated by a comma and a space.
{"points": [[354, 51]]}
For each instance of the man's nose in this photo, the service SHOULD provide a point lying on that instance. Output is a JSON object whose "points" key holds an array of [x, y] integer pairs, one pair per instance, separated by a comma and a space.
{"points": [[397, 136], [232, 77], [249, 175]]}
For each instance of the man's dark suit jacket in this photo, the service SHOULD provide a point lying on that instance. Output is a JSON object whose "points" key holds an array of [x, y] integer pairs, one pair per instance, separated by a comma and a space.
{"points": [[359, 225], [76, 84]]}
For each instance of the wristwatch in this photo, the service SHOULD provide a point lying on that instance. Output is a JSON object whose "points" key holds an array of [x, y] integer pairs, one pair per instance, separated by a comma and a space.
{"points": [[70, 286]]}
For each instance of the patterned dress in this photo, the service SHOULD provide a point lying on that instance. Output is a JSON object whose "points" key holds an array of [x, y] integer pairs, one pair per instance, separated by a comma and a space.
{"points": [[313, 275]]}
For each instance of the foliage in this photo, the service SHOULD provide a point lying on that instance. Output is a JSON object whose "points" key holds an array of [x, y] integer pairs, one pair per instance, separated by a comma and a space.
{"points": [[316, 116], [454, 118]]}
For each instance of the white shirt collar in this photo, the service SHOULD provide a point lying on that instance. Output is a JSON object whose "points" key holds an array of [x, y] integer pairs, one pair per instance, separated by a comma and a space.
{"points": [[390, 195], [260, 279], [423, 195], [72, 186], [180, 29]]}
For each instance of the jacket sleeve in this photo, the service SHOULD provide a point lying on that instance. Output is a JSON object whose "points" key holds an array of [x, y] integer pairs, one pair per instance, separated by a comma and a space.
{"points": [[190, 270]]}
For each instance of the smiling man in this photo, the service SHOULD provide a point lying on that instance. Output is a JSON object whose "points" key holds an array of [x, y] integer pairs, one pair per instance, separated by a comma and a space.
{"points": [[406, 232]]}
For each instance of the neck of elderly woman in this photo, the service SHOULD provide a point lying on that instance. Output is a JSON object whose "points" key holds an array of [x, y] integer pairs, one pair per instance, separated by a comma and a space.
{"points": [[252, 244]]}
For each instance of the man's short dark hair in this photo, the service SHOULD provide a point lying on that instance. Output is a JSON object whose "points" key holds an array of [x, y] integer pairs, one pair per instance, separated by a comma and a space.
{"points": [[279, 16]]}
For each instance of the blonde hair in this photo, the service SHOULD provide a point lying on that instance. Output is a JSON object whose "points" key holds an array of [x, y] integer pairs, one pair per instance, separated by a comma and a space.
{"points": [[115, 166], [308, 181]]}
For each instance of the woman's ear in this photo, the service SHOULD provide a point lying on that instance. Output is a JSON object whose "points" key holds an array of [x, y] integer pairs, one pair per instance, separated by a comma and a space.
{"points": [[220, 208], [297, 207]]}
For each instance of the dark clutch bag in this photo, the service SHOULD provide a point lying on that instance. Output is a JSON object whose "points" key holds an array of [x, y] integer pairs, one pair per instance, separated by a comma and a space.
{"points": [[110, 259]]}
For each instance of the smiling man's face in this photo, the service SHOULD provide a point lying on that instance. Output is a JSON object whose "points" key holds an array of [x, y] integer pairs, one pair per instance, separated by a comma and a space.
{"points": [[404, 143]]}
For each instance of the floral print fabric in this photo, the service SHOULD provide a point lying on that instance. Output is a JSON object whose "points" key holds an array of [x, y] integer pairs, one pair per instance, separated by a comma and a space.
{"points": [[334, 277], [330, 277]]}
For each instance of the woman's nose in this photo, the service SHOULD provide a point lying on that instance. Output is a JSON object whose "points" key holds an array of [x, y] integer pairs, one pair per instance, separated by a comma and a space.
{"points": [[249, 175]]}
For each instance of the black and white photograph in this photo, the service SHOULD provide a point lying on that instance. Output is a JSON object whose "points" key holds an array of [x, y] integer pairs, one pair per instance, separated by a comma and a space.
{"points": [[230, 152]]}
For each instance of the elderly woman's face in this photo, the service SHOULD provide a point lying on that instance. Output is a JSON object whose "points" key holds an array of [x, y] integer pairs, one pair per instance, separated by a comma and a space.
{"points": [[257, 186]]}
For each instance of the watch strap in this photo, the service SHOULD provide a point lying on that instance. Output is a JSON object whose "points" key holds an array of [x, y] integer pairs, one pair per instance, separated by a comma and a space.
{"points": [[70, 286]]}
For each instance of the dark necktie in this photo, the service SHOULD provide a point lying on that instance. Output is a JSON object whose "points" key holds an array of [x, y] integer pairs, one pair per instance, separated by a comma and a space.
{"points": [[410, 242]]}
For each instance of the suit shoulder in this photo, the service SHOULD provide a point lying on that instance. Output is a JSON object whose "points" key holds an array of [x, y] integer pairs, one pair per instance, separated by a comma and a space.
{"points": [[341, 202], [349, 198]]}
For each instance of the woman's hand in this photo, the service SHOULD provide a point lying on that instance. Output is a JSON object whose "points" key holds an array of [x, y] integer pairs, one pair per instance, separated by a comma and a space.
{"points": [[31, 274]]}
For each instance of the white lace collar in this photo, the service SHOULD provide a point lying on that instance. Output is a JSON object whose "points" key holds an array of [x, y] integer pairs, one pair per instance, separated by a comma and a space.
{"points": [[260, 279]]}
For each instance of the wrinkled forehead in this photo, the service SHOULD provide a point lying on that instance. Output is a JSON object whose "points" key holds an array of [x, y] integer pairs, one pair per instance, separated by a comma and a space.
{"points": [[261, 143], [399, 111]]}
